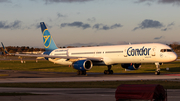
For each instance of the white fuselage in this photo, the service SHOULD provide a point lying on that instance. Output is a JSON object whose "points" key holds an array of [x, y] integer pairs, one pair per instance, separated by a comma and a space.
{"points": [[134, 53]]}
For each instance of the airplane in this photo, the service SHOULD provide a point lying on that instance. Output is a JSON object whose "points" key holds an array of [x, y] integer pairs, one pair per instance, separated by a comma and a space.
{"points": [[84, 58]]}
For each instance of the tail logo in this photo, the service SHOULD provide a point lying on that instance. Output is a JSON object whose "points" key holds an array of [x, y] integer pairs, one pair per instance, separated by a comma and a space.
{"points": [[46, 38]]}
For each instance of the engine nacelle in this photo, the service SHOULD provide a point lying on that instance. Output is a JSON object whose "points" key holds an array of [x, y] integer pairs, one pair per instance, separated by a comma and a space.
{"points": [[131, 66], [83, 65]]}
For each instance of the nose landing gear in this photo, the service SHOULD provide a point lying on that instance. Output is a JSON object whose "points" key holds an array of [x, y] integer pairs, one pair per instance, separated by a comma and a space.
{"points": [[157, 72]]}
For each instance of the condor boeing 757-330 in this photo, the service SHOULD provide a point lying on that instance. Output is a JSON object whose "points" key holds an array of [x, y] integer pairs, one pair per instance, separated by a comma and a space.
{"points": [[84, 58]]}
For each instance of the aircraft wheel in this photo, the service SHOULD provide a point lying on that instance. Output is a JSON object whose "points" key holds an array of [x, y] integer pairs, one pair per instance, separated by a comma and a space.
{"points": [[79, 72], [105, 72], [83, 72], [108, 71], [157, 73], [111, 72]]}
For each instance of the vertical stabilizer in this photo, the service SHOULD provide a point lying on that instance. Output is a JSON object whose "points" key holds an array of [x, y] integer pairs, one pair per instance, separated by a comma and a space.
{"points": [[4, 49], [5, 52], [48, 41]]}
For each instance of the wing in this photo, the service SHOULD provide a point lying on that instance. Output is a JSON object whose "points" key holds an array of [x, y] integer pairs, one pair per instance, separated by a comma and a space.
{"points": [[63, 57]]}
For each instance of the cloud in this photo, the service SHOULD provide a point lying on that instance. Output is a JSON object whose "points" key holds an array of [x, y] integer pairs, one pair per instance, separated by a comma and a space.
{"points": [[14, 25], [157, 38], [169, 1], [165, 29], [93, 19], [85, 26], [147, 23], [168, 27], [37, 26], [64, 1], [76, 24], [171, 24], [148, 2], [177, 2], [106, 27], [60, 15], [140, 1]]}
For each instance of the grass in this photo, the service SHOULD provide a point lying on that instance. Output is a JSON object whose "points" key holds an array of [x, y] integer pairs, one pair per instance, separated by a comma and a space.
{"points": [[31, 65], [4, 74], [43, 65], [97, 84]]}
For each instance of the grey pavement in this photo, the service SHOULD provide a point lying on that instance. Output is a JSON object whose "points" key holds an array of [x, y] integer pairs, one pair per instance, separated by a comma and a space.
{"points": [[71, 94], [92, 78]]}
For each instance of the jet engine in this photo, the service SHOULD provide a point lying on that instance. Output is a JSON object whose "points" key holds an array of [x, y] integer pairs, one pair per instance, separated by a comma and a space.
{"points": [[83, 65], [131, 66]]}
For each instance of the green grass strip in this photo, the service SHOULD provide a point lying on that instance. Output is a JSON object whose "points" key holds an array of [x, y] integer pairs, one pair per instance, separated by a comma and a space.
{"points": [[46, 66]]}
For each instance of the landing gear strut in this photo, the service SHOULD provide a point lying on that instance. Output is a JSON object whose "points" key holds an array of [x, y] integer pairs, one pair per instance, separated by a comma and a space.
{"points": [[79, 72], [157, 72], [109, 71]]}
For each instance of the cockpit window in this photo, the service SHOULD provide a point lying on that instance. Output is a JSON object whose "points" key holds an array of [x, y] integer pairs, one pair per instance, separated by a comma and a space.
{"points": [[166, 50], [169, 50]]}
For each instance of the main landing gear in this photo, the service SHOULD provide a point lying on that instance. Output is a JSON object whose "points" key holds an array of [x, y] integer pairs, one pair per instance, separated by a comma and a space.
{"points": [[109, 71], [157, 72], [80, 72]]}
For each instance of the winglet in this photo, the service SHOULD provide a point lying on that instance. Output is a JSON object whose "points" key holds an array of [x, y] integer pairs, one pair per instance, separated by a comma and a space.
{"points": [[48, 41]]}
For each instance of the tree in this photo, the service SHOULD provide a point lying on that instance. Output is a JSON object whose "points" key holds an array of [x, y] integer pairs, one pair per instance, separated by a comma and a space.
{"points": [[11, 51], [19, 50], [174, 46]]}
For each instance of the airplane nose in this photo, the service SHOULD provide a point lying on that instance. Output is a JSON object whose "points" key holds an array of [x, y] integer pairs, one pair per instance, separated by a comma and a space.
{"points": [[173, 57]]}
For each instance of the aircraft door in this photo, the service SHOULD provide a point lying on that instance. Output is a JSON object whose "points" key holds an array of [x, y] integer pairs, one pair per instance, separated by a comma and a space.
{"points": [[125, 52], [153, 51]]}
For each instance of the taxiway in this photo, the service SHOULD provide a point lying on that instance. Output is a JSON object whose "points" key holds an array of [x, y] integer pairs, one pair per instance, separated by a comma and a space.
{"points": [[69, 94], [29, 77]]}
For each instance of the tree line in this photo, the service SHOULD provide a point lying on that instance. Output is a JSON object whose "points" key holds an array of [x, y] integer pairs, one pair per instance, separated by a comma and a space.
{"points": [[175, 46], [14, 49]]}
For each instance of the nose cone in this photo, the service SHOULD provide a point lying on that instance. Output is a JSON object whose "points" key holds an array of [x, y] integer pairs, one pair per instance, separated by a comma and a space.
{"points": [[173, 57]]}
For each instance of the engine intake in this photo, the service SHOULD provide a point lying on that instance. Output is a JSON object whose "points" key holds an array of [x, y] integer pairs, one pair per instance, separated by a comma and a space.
{"points": [[83, 65]]}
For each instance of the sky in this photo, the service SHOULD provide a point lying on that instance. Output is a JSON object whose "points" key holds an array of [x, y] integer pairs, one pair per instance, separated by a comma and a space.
{"points": [[89, 22]]}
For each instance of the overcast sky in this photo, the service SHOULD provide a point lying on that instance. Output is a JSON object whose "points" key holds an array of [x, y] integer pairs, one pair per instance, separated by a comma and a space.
{"points": [[89, 22]]}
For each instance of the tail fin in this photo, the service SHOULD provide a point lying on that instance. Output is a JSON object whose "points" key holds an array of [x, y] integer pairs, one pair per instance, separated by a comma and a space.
{"points": [[4, 49], [48, 41]]}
